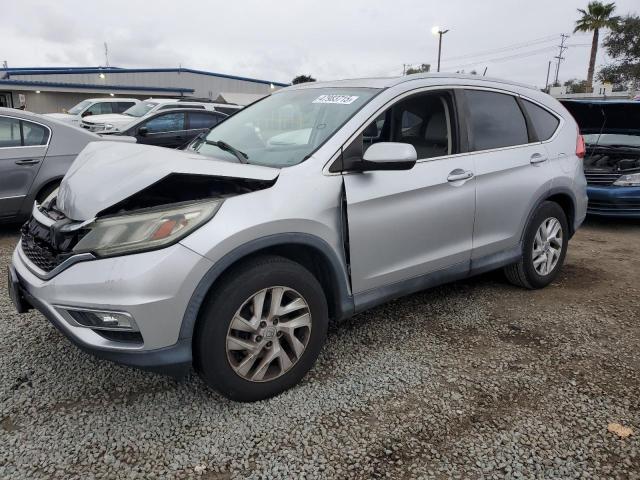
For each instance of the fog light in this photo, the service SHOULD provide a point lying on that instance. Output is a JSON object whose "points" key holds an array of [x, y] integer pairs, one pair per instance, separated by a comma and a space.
{"points": [[101, 319]]}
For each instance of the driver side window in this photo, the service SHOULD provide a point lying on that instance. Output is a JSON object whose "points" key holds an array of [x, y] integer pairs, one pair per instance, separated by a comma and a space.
{"points": [[424, 120]]}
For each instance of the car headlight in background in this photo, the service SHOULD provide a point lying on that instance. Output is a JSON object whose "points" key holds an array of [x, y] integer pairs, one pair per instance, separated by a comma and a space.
{"points": [[145, 230], [108, 126], [629, 180]]}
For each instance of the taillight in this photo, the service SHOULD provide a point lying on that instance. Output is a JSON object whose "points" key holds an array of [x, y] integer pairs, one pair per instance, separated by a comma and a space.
{"points": [[581, 150]]}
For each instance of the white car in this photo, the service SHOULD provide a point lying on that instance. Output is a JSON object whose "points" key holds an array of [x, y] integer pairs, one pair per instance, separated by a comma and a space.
{"points": [[120, 122], [94, 107]]}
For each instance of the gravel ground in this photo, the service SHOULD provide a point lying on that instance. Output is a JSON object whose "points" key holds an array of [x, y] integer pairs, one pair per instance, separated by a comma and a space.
{"points": [[475, 379]]}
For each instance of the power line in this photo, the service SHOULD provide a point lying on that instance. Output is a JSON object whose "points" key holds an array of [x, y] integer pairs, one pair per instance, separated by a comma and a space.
{"points": [[515, 46], [506, 58]]}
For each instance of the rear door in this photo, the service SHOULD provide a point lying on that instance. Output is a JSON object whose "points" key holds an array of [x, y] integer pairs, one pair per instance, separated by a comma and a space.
{"points": [[404, 224], [512, 169], [164, 130], [23, 146]]}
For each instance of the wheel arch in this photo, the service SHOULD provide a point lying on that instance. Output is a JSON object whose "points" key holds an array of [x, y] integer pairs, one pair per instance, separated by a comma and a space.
{"points": [[564, 197], [308, 250]]}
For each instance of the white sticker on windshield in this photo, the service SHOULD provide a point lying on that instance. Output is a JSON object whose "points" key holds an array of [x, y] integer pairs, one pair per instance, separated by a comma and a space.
{"points": [[339, 99]]}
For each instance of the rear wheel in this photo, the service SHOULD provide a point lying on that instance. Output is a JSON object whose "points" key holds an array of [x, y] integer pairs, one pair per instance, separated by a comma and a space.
{"points": [[544, 248], [262, 330]]}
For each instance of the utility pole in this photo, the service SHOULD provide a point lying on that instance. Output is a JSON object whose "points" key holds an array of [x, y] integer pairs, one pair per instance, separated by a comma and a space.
{"points": [[560, 57], [404, 69], [106, 54], [5, 64], [546, 85], [438, 31]]}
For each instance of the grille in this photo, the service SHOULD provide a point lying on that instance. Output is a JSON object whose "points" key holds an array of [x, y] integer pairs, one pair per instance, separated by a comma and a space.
{"points": [[601, 178], [621, 206], [40, 254], [47, 247]]}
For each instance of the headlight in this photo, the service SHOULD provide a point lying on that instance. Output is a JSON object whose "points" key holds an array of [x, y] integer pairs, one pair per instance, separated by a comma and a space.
{"points": [[108, 126], [629, 180], [146, 230]]}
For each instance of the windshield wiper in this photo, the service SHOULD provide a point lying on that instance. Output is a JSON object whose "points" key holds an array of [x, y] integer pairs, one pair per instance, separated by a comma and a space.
{"points": [[241, 156]]}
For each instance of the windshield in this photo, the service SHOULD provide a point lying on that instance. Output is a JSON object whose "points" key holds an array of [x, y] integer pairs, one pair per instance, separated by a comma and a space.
{"points": [[140, 109], [285, 128], [79, 107]]}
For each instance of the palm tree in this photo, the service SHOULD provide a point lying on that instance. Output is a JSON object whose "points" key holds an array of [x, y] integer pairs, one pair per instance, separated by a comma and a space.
{"points": [[596, 16]]}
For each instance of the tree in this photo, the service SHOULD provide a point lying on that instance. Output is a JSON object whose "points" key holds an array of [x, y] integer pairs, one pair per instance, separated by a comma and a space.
{"points": [[623, 46], [596, 17], [302, 79], [424, 68], [576, 86]]}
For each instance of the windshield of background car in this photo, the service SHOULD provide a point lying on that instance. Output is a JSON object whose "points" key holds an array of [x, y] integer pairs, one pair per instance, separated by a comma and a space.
{"points": [[75, 110], [140, 109], [285, 128], [607, 122]]}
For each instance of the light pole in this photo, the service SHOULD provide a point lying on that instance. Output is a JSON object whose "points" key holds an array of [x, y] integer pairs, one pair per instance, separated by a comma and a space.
{"points": [[438, 31]]}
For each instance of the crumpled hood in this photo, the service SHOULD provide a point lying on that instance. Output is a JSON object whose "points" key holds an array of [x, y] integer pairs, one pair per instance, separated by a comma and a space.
{"points": [[105, 173]]}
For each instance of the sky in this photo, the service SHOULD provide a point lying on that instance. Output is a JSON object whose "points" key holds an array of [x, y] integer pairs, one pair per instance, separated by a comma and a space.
{"points": [[328, 39]]}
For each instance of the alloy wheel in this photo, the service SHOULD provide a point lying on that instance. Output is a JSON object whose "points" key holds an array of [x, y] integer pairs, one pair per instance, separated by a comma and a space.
{"points": [[268, 334], [547, 246]]}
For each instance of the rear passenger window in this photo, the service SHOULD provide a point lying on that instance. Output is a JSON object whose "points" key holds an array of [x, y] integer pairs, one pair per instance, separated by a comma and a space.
{"points": [[544, 122], [34, 135], [20, 133], [201, 120], [495, 120], [122, 106]]}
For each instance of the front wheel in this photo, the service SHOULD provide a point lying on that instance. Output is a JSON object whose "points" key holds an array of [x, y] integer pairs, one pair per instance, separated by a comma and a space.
{"points": [[544, 248], [262, 330]]}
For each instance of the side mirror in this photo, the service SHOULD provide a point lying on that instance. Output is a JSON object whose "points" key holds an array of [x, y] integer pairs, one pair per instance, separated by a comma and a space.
{"points": [[143, 131], [86, 113], [389, 156]]}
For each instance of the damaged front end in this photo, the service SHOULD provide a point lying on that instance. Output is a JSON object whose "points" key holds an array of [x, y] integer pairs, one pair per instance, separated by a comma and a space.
{"points": [[611, 130], [73, 225]]}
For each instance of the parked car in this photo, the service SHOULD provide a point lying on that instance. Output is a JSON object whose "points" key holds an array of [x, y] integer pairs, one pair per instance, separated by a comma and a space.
{"points": [[611, 131], [35, 153], [173, 128], [94, 106], [115, 123], [313, 204]]}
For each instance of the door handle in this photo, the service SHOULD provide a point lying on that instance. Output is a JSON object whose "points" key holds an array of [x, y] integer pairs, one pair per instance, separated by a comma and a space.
{"points": [[31, 161], [537, 158], [459, 174]]}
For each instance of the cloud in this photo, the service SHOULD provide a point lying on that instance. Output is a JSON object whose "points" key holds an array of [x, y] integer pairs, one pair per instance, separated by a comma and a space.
{"points": [[329, 39]]}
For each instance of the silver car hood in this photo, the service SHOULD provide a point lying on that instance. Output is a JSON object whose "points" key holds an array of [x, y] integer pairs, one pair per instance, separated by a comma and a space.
{"points": [[105, 173], [110, 118]]}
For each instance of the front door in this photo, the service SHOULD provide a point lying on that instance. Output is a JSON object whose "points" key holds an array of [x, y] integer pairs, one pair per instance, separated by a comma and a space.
{"points": [[165, 130], [23, 146], [405, 224]]}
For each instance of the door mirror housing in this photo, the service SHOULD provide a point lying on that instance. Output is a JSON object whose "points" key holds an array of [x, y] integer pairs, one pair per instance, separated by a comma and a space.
{"points": [[86, 113], [389, 156], [143, 131]]}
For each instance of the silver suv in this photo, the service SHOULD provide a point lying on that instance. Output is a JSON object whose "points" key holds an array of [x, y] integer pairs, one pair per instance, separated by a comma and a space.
{"points": [[313, 204]]}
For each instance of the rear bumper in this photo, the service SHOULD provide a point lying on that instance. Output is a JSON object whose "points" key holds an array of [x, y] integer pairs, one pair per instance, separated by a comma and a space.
{"points": [[611, 201]]}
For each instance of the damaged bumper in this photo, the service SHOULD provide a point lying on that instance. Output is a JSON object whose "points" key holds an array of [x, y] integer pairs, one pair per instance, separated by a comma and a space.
{"points": [[152, 289], [614, 201]]}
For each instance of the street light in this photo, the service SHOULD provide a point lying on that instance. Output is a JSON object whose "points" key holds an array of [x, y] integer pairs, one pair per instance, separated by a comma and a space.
{"points": [[438, 31]]}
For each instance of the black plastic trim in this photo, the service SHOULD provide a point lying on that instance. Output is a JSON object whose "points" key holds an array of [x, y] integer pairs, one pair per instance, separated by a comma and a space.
{"points": [[344, 304]]}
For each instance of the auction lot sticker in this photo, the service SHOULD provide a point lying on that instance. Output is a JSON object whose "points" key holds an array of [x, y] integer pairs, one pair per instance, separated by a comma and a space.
{"points": [[339, 99]]}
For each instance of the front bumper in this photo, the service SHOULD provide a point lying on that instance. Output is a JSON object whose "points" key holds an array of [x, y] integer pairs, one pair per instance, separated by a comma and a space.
{"points": [[153, 287], [612, 201]]}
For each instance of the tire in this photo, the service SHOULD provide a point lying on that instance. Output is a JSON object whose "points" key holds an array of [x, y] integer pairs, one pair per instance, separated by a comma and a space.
{"points": [[526, 273], [238, 373]]}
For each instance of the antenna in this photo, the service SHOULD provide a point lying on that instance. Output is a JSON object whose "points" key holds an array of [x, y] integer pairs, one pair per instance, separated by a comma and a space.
{"points": [[106, 54]]}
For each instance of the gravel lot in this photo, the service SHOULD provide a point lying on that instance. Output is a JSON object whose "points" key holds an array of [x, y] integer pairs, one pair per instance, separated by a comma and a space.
{"points": [[475, 379]]}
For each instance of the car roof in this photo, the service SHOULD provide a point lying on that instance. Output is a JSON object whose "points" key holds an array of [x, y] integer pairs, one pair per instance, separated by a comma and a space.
{"points": [[387, 82], [111, 99], [600, 101]]}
